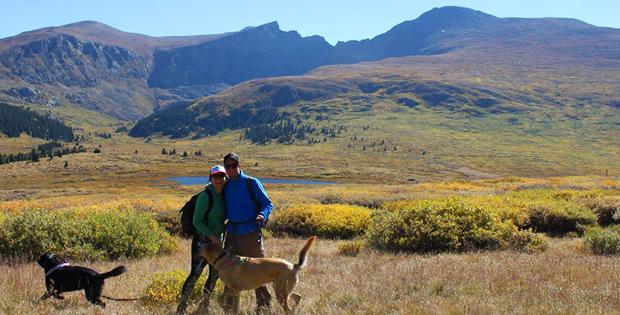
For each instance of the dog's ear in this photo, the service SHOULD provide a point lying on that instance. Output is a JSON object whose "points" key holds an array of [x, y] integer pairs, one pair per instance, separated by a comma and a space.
{"points": [[42, 259]]}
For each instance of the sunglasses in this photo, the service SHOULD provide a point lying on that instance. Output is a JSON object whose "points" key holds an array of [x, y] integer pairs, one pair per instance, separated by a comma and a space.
{"points": [[229, 166], [219, 175]]}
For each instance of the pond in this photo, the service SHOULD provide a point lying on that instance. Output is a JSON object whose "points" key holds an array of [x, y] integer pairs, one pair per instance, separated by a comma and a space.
{"points": [[202, 180]]}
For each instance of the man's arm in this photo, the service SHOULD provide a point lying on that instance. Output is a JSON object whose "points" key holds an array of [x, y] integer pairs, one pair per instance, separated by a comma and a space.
{"points": [[265, 202]]}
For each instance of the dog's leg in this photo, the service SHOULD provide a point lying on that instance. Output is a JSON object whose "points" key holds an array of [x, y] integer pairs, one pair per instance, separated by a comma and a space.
{"points": [[284, 287], [235, 295], [296, 297], [283, 300], [93, 294], [47, 295]]}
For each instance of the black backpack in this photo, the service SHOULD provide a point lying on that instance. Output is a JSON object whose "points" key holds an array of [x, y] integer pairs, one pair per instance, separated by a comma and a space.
{"points": [[187, 213]]}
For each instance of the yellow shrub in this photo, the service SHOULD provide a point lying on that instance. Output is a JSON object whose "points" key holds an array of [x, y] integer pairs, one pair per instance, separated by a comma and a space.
{"points": [[447, 225], [165, 287], [334, 220], [351, 248]]}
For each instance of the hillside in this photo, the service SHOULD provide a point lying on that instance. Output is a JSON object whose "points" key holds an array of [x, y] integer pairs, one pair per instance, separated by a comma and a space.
{"points": [[15, 120], [87, 65], [463, 95]]}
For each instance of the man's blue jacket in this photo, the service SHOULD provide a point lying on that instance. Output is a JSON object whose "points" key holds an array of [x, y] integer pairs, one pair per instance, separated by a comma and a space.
{"points": [[240, 208]]}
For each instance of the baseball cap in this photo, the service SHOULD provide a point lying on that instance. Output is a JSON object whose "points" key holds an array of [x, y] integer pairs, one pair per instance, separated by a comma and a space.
{"points": [[218, 169], [230, 156]]}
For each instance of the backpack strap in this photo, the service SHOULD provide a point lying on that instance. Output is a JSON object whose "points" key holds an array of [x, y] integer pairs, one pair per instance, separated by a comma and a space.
{"points": [[257, 204]]}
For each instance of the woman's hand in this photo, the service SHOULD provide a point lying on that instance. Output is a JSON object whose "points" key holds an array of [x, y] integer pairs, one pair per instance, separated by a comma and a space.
{"points": [[216, 241]]}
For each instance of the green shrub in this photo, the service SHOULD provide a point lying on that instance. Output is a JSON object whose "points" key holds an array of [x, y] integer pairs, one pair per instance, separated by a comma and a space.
{"points": [[83, 234], [448, 225], [170, 220], [558, 217], [165, 287], [603, 241], [607, 210], [330, 221]]}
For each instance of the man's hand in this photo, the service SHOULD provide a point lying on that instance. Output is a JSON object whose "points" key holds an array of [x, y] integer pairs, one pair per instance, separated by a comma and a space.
{"points": [[260, 220]]}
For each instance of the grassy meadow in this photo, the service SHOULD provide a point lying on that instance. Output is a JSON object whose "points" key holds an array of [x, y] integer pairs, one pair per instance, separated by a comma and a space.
{"points": [[348, 271]]}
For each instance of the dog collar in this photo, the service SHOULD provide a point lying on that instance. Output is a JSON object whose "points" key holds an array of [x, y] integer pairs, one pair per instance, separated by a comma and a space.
{"points": [[56, 268], [219, 257]]}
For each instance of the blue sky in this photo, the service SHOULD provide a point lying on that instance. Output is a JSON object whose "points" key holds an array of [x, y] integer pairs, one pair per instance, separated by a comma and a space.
{"points": [[335, 20]]}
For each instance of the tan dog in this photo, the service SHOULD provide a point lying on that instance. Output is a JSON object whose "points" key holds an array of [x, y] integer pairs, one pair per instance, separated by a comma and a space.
{"points": [[244, 273]]}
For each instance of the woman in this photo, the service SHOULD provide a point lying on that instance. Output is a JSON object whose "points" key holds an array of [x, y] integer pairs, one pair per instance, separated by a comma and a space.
{"points": [[209, 224]]}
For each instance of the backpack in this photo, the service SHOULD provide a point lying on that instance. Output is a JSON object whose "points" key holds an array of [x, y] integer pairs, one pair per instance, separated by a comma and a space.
{"points": [[187, 213]]}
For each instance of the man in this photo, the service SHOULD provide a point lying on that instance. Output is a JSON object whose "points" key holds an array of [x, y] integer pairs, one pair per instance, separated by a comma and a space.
{"points": [[248, 210]]}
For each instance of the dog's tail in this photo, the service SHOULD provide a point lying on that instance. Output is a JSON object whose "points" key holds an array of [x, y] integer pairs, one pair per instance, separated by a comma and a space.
{"points": [[304, 252], [113, 273]]}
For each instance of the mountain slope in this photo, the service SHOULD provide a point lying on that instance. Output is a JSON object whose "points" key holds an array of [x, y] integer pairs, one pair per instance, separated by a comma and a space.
{"points": [[263, 51], [87, 64], [15, 120]]}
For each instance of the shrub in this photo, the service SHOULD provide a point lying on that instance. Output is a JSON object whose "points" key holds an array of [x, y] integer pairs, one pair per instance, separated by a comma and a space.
{"points": [[558, 217], [330, 221], [165, 287], [448, 225], [603, 241], [83, 234], [606, 209], [170, 220], [351, 248]]}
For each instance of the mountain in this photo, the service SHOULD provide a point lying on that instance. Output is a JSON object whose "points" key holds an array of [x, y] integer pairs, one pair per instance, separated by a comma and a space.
{"points": [[86, 65], [256, 52], [462, 94], [92, 68], [458, 41]]}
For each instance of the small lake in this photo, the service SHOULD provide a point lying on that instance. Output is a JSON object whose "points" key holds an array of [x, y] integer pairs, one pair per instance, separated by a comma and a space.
{"points": [[202, 180]]}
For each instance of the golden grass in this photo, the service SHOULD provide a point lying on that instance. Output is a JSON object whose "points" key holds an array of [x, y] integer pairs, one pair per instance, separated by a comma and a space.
{"points": [[562, 280]]}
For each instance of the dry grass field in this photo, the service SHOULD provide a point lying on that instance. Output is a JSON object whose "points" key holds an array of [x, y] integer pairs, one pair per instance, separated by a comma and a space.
{"points": [[562, 280], [566, 278]]}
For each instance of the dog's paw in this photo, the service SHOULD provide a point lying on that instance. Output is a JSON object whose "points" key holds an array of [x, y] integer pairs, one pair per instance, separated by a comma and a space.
{"points": [[296, 297]]}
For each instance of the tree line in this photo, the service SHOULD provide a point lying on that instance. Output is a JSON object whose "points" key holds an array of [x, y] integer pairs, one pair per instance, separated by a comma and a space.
{"points": [[286, 131], [47, 150], [15, 120], [179, 121]]}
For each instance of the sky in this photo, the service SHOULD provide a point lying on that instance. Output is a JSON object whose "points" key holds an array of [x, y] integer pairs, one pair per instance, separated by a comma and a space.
{"points": [[335, 20]]}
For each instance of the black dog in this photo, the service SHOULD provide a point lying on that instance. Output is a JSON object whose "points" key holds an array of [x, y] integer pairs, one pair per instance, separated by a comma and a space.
{"points": [[62, 277]]}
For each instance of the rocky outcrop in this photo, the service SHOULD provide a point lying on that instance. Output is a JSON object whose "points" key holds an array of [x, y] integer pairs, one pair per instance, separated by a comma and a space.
{"points": [[69, 61], [26, 94]]}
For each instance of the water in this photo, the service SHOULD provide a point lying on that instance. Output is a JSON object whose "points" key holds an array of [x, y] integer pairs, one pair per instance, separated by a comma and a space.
{"points": [[202, 180]]}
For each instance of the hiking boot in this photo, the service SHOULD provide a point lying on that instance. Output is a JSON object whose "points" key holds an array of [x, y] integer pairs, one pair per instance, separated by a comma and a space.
{"points": [[203, 307], [181, 308]]}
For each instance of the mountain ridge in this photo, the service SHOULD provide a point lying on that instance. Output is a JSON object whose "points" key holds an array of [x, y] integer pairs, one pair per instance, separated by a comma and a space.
{"points": [[129, 76]]}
